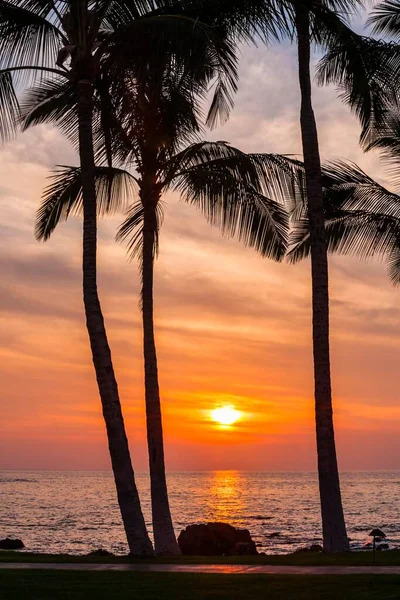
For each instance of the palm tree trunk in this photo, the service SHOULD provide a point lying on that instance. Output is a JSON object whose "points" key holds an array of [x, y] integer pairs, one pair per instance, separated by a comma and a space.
{"points": [[164, 535], [128, 498], [333, 525]]}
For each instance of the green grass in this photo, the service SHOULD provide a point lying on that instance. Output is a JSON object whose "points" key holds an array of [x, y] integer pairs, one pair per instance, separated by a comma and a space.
{"points": [[61, 585], [388, 558]]}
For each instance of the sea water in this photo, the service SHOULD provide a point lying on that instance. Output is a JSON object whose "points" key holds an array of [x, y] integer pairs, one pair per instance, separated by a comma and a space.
{"points": [[77, 512]]}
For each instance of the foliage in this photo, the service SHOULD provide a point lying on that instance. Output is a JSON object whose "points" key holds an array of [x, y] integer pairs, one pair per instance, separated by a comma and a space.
{"points": [[362, 218]]}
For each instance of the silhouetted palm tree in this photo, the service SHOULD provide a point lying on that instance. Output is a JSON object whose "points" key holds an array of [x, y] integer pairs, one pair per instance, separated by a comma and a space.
{"points": [[77, 46], [309, 21]]}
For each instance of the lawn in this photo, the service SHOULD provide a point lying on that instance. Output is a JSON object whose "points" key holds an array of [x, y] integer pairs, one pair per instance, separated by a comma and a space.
{"points": [[388, 558], [62, 585]]}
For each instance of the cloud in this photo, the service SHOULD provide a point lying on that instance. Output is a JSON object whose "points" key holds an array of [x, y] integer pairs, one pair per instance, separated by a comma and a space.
{"points": [[230, 326]]}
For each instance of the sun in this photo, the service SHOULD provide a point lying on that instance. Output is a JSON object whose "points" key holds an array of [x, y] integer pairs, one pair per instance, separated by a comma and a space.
{"points": [[226, 415]]}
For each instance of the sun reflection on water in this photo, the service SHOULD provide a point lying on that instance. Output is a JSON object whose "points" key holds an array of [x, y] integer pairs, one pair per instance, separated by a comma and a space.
{"points": [[225, 499]]}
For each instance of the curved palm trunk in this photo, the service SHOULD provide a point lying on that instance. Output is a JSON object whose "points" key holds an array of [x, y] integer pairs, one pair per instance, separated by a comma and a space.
{"points": [[164, 535], [333, 525], [128, 498]]}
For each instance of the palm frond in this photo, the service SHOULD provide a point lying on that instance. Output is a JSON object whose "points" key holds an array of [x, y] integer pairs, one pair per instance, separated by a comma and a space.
{"points": [[349, 8], [273, 174], [131, 230], [356, 233], [386, 138], [11, 113], [51, 101], [27, 37], [239, 20], [240, 212], [365, 72], [175, 45], [385, 19], [63, 196], [10, 109], [54, 101], [353, 189], [234, 189], [362, 218], [329, 21], [118, 13], [393, 264], [48, 9]]}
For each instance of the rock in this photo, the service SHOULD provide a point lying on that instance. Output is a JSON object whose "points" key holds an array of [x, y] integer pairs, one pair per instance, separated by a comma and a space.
{"points": [[10, 544], [100, 552], [275, 534], [215, 539], [312, 548], [383, 547]]}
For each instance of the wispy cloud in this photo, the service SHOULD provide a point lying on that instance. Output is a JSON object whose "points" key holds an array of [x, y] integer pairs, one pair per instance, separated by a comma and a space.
{"points": [[230, 326]]}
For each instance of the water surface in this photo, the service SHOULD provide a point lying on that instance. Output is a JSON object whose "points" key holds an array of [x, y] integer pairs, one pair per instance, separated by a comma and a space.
{"points": [[76, 512]]}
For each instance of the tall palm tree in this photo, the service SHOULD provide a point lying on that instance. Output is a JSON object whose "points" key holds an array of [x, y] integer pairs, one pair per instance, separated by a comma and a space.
{"points": [[230, 188], [79, 44], [309, 21], [156, 131], [333, 524]]}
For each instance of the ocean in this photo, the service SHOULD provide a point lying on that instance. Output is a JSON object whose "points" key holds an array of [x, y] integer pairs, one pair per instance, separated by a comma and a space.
{"points": [[77, 512]]}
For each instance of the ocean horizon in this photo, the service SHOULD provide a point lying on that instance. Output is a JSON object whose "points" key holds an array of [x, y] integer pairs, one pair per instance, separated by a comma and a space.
{"points": [[70, 511]]}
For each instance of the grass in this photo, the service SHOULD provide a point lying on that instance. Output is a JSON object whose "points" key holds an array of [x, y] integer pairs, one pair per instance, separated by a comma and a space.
{"points": [[388, 558], [61, 585]]}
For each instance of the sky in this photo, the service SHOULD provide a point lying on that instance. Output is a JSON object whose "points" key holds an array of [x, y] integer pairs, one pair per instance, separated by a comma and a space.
{"points": [[231, 328]]}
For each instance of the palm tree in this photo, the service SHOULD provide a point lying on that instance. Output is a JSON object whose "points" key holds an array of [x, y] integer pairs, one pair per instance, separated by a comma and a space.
{"points": [[309, 21], [333, 524], [156, 131], [78, 45]]}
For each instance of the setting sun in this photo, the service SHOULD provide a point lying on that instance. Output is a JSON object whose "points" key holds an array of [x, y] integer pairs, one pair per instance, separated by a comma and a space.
{"points": [[226, 415]]}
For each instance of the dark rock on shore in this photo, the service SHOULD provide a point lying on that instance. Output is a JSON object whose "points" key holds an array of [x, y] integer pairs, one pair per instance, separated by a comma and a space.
{"points": [[216, 539], [312, 548], [100, 552], [10, 544], [383, 547]]}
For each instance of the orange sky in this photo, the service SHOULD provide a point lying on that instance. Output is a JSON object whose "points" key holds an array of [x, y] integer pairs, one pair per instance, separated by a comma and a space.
{"points": [[231, 328]]}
